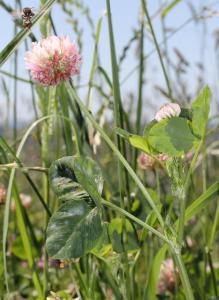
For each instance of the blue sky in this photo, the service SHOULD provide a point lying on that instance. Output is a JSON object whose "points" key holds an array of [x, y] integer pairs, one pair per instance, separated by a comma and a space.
{"points": [[125, 14]]}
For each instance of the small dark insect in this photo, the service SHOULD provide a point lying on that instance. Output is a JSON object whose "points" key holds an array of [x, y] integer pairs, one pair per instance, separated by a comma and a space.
{"points": [[27, 15]]}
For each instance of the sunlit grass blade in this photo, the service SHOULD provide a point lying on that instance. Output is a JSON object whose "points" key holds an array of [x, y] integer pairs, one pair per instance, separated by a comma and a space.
{"points": [[201, 202], [12, 46], [93, 67]]}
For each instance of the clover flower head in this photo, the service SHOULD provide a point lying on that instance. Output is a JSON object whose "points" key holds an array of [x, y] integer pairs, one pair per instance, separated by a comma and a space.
{"points": [[167, 111], [146, 162], [25, 201], [167, 277], [163, 157], [53, 60]]}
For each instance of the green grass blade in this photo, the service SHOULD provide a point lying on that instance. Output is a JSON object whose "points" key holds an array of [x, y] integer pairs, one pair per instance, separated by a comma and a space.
{"points": [[15, 77], [201, 202], [106, 76], [92, 72], [118, 111], [169, 7]]}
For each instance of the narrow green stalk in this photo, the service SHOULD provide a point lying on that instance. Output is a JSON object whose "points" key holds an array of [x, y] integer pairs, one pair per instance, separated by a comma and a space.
{"points": [[184, 194], [15, 88], [48, 108], [184, 276], [214, 228], [84, 288], [23, 168], [140, 89], [46, 220], [164, 33], [66, 126], [83, 107], [204, 169], [15, 77], [92, 72], [136, 220], [213, 276], [157, 47]]}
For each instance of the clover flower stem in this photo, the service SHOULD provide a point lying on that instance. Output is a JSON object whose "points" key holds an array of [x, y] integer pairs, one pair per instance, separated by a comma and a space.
{"points": [[136, 220], [157, 47], [183, 198], [183, 275]]}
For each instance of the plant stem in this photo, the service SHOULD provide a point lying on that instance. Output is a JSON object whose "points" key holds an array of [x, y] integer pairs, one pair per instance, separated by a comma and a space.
{"points": [[183, 275], [157, 48], [183, 196], [136, 220], [214, 280], [140, 89], [15, 88], [92, 72], [23, 168]]}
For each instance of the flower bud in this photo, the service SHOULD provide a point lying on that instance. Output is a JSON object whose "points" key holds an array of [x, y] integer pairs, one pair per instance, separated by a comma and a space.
{"points": [[167, 111], [146, 162]]}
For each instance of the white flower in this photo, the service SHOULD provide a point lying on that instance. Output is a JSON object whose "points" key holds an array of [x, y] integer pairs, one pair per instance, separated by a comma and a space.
{"points": [[167, 111]]}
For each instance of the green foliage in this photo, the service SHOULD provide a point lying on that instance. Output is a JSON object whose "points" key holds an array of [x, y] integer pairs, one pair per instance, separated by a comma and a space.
{"points": [[103, 245], [201, 202], [75, 227], [140, 142], [73, 230], [176, 135], [200, 112], [116, 228], [172, 136]]}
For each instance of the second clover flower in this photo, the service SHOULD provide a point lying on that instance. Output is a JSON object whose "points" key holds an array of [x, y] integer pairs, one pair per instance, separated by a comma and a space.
{"points": [[53, 60]]}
